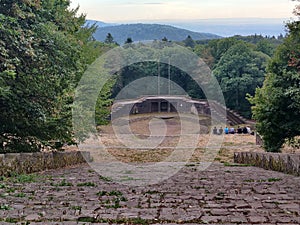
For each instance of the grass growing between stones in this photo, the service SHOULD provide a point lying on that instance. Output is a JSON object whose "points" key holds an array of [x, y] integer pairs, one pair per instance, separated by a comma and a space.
{"points": [[86, 184], [20, 195], [270, 180], [63, 183], [112, 199], [106, 179], [227, 164], [24, 178], [76, 208], [5, 207], [11, 220]]}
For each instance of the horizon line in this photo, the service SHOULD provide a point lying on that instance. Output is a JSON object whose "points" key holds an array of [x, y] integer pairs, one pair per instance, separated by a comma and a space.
{"points": [[189, 20]]}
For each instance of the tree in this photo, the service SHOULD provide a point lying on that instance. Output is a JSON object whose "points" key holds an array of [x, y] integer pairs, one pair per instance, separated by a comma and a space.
{"points": [[219, 47], [129, 41], [265, 47], [204, 52], [43, 45], [165, 39], [109, 39], [189, 42], [240, 71], [277, 104]]}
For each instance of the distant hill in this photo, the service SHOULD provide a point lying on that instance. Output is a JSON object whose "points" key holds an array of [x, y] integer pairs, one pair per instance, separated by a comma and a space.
{"points": [[99, 23], [143, 32]]}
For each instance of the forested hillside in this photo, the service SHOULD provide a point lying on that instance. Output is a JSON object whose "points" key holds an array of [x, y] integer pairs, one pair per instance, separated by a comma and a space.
{"points": [[238, 65], [142, 32]]}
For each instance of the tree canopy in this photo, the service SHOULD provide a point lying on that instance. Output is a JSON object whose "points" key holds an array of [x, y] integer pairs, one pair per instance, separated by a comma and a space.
{"points": [[43, 54], [240, 71], [277, 104]]}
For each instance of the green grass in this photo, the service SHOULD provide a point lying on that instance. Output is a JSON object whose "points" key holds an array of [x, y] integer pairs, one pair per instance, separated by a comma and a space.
{"points": [[263, 180], [75, 207], [86, 184], [25, 178], [116, 204], [20, 195], [86, 220], [115, 193], [127, 178], [102, 193], [111, 193], [107, 179], [112, 203], [123, 199], [274, 179], [11, 220], [10, 190], [5, 207], [63, 183]]}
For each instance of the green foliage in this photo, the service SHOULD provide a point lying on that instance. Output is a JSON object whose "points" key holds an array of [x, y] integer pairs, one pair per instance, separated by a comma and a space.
{"points": [[265, 47], [189, 42], [129, 41], [44, 51], [86, 184], [26, 178], [277, 104], [219, 47], [109, 39], [5, 207], [104, 102], [153, 69], [240, 71]]}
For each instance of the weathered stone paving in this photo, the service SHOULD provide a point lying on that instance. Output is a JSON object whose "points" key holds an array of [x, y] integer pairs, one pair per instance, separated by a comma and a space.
{"points": [[219, 195]]}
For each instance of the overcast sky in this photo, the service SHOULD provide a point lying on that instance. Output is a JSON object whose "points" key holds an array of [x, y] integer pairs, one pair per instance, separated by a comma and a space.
{"points": [[135, 11]]}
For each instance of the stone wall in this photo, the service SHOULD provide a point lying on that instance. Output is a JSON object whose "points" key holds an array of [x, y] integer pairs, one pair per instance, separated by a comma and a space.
{"points": [[286, 163], [24, 163]]}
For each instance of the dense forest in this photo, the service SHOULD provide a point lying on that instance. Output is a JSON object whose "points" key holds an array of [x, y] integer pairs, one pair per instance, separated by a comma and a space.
{"points": [[239, 64], [46, 48]]}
